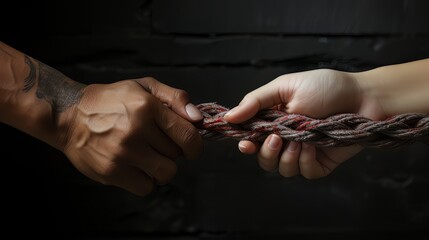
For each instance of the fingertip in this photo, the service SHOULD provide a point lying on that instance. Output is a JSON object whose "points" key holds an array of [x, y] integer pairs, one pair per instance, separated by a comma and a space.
{"points": [[193, 113], [275, 142], [264, 97], [230, 115], [247, 147], [244, 111]]}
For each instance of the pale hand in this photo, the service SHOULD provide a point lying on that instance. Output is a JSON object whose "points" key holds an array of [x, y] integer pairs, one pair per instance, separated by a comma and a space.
{"points": [[318, 94]]}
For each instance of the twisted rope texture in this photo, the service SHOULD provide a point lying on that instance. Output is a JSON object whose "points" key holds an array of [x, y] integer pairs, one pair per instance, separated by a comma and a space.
{"points": [[334, 131]]}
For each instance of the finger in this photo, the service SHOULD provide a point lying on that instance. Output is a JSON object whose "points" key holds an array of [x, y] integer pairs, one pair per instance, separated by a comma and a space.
{"points": [[180, 131], [157, 166], [330, 158], [268, 155], [248, 147], [163, 144], [309, 167], [264, 97], [131, 179], [125, 177], [152, 135], [288, 165], [315, 163], [176, 99]]}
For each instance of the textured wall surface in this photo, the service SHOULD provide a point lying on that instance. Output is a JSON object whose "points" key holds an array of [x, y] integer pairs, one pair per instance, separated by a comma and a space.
{"points": [[217, 51]]}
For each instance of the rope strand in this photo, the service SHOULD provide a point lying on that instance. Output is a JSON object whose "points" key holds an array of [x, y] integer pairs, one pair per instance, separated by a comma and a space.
{"points": [[335, 131]]}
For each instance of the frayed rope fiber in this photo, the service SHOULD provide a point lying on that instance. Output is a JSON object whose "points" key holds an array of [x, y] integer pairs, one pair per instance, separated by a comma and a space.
{"points": [[335, 131]]}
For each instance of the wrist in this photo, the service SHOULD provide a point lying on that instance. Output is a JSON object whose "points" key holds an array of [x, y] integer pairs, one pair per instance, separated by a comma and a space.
{"points": [[371, 105], [35, 98], [401, 88]]}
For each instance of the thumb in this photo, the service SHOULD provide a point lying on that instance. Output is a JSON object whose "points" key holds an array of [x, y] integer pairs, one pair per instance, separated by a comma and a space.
{"points": [[261, 98], [176, 99], [182, 132]]}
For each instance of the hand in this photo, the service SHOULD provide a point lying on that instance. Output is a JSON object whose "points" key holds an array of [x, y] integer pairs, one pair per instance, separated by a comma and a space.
{"points": [[125, 134], [317, 94]]}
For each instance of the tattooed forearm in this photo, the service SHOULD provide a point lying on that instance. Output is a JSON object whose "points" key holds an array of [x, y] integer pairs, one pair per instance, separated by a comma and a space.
{"points": [[30, 80], [57, 89], [52, 86]]}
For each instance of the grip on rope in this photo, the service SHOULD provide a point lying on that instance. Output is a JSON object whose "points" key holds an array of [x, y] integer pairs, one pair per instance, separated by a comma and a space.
{"points": [[335, 131]]}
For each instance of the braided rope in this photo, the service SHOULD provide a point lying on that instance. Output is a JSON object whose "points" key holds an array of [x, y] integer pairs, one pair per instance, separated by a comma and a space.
{"points": [[334, 131]]}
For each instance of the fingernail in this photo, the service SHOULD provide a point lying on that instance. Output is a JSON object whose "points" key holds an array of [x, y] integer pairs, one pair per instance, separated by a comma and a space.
{"points": [[274, 142], [241, 147], [292, 146], [230, 112], [193, 112]]}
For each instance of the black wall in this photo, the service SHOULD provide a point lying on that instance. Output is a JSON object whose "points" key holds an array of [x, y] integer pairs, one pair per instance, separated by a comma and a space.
{"points": [[216, 51]]}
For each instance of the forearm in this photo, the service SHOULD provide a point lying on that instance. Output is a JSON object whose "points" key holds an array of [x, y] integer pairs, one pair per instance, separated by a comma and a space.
{"points": [[34, 97], [399, 88]]}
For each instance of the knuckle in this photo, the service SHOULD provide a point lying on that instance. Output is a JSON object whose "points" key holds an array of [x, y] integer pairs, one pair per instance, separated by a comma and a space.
{"points": [[124, 86], [106, 171], [108, 167], [293, 107], [150, 84], [147, 82], [247, 97], [144, 105], [149, 79], [180, 95]]}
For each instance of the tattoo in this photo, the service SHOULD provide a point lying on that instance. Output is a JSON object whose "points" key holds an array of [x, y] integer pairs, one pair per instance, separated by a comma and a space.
{"points": [[57, 89], [54, 87], [30, 80]]}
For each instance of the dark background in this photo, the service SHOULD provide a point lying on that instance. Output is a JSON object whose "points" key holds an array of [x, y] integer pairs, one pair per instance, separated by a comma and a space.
{"points": [[216, 51]]}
